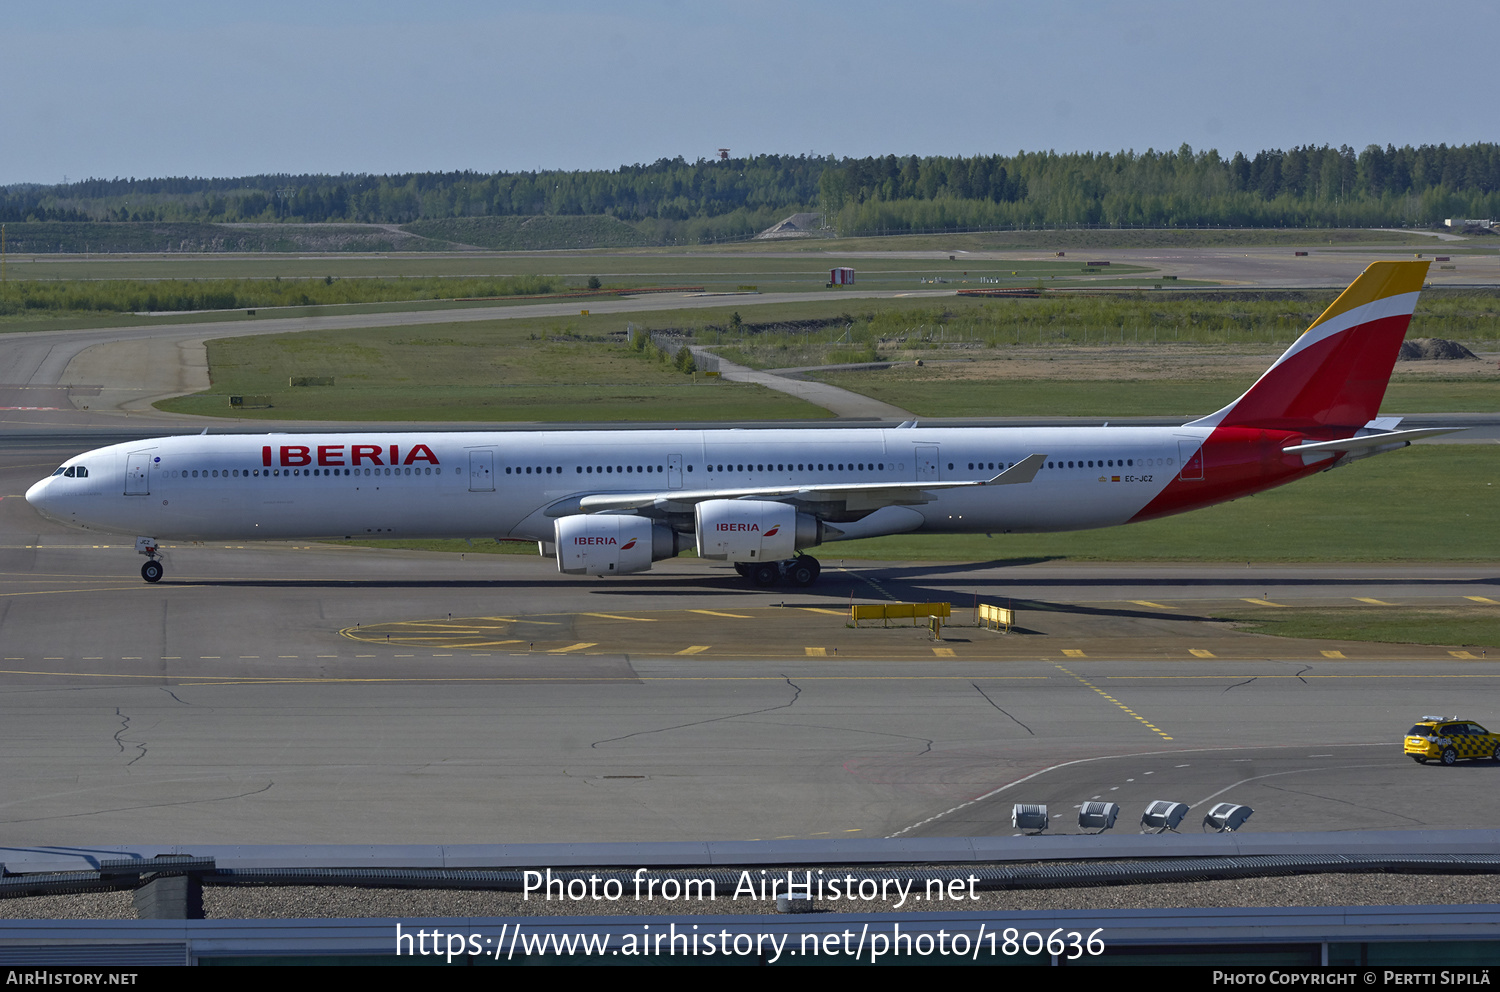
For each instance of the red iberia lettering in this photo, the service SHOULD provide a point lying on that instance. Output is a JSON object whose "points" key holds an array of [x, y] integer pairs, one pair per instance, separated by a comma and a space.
{"points": [[295, 454], [361, 452], [330, 454], [394, 459], [419, 453], [265, 454]]}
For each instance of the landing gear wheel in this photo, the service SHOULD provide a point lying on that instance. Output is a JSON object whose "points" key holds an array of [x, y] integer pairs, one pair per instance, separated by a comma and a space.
{"points": [[803, 572], [743, 567], [766, 574], [152, 571], [1450, 756]]}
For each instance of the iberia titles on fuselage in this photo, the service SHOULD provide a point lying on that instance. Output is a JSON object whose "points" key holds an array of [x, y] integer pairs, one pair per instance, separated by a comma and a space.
{"points": [[613, 501]]}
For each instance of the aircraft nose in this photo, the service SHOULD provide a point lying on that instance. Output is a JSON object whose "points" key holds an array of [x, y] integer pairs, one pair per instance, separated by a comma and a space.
{"points": [[38, 498]]}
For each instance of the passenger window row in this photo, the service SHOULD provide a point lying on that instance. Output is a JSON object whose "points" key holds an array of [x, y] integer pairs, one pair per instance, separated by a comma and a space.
{"points": [[306, 473]]}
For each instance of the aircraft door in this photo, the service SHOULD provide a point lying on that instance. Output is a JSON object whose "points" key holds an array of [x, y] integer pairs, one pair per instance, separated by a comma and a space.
{"points": [[1191, 455], [137, 468], [482, 471], [928, 467], [674, 471]]}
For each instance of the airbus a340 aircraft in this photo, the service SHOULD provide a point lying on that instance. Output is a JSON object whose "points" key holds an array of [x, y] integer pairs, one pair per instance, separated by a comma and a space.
{"points": [[613, 502]]}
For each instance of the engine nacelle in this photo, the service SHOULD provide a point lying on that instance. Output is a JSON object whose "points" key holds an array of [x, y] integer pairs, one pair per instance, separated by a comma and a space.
{"points": [[611, 544], [753, 530]]}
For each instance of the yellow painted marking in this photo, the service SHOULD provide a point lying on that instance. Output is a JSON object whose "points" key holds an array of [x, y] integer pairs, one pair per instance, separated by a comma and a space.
{"points": [[1333, 654], [815, 609], [1073, 653], [1484, 599], [611, 616], [1265, 602], [1122, 706], [695, 649], [1154, 606], [439, 624], [1372, 602], [574, 647], [122, 588], [816, 652], [1463, 654], [943, 652], [1200, 653], [714, 613], [476, 644]]}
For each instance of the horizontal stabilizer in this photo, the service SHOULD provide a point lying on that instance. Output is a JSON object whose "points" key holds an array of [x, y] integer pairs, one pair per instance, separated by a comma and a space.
{"points": [[1372, 440]]}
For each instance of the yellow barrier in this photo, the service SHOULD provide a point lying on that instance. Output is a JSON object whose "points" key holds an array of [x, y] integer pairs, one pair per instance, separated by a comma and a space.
{"points": [[997, 615], [899, 611]]}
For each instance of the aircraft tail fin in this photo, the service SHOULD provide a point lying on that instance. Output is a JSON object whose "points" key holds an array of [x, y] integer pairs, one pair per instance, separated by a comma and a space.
{"points": [[1336, 373]]}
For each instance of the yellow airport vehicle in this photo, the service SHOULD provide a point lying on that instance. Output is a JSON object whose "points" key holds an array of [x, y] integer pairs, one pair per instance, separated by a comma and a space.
{"points": [[1446, 739]]}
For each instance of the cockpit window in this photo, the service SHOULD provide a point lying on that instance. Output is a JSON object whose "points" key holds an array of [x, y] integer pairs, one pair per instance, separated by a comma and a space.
{"points": [[60, 471], [69, 472]]}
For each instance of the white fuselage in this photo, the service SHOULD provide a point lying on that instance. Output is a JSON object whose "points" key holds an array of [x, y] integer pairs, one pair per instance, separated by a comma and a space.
{"points": [[514, 485]]}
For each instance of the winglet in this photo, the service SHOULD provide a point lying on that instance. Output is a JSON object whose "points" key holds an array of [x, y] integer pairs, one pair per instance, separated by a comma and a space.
{"points": [[1022, 471]]}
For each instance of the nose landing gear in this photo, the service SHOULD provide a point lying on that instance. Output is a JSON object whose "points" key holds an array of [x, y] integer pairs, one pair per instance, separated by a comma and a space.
{"points": [[152, 571]]}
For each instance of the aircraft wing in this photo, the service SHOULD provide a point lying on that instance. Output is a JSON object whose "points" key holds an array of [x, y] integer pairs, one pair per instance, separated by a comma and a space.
{"points": [[831, 497]]}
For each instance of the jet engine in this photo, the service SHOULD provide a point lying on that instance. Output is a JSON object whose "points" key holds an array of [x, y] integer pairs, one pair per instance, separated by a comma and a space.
{"points": [[611, 544], [753, 530]]}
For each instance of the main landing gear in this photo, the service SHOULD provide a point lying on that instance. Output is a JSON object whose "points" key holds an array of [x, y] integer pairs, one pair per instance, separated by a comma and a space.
{"points": [[799, 571], [152, 571]]}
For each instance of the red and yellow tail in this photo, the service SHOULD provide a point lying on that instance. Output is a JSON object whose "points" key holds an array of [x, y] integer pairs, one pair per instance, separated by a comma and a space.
{"points": [[1336, 373]]}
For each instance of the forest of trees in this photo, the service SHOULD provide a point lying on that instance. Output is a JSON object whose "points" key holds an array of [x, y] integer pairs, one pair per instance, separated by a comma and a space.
{"points": [[673, 199]]}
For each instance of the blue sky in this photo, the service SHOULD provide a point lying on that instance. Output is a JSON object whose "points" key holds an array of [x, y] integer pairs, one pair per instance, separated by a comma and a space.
{"points": [[204, 89]]}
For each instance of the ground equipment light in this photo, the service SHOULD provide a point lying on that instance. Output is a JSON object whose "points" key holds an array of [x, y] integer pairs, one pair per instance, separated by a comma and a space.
{"points": [[1226, 817], [1162, 815], [1028, 816], [1098, 816]]}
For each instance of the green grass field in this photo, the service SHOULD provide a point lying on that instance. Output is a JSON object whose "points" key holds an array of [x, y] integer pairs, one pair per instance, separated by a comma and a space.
{"points": [[1125, 398], [1429, 502], [1476, 625], [522, 370], [1084, 240]]}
